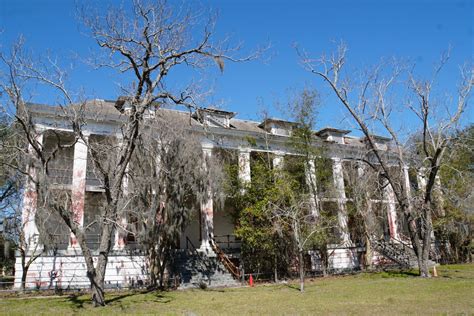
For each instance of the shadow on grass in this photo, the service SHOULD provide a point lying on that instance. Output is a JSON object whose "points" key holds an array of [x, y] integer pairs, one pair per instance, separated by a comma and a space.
{"points": [[399, 273], [121, 297], [295, 287], [215, 290], [161, 298], [156, 296], [78, 300]]}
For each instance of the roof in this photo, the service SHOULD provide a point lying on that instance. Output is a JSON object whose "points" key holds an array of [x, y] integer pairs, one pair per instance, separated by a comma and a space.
{"points": [[246, 125], [276, 120], [379, 138], [333, 130], [105, 110], [217, 111]]}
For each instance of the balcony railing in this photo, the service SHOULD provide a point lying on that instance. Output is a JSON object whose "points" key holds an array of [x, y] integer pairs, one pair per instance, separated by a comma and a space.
{"points": [[228, 242]]}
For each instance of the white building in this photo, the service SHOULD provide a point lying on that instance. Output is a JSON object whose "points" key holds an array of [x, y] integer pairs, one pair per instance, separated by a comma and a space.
{"points": [[219, 129]]}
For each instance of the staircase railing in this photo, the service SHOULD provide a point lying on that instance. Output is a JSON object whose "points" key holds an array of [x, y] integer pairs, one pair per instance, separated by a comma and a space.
{"points": [[189, 242], [196, 253], [433, 255], [228, 264], [227, 242], [390, 250]]}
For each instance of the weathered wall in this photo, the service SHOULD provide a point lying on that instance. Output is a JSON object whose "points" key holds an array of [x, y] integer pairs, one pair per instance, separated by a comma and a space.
{"points": [[70, 272]]}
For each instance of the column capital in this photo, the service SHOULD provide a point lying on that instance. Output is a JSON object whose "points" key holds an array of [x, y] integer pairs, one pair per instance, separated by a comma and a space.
{"points": [[244, 165], [207, 146], [207, 151], [245, 150], [40, 128], [86, 134]]}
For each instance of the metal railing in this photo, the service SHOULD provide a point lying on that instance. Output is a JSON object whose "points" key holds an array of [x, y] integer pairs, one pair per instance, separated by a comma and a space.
{"points": [[228, 264], [228, 241], [189, 242]]}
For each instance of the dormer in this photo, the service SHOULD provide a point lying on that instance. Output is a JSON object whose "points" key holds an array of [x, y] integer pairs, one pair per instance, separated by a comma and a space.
{"points": [[278, 127], [123, 104], [213, 117], [333, 134], [381, 142]]}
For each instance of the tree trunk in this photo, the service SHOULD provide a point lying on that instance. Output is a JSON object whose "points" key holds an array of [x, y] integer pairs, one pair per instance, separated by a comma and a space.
{"points": [[98, 297], [96, 275], [24, 273], [323, 254], [24, 270], [275, 269], [153, 267], [425, 254], [368, 253], [301, 268], [104, 249]]}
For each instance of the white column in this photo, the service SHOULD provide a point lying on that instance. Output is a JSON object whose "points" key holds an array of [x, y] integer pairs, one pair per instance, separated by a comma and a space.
{"points": [[407, 180], [244, 166], [361, 173], [78, 189], [30, 204], [120, 237], [421, 178], [437, 189], [341, 199], [310, 173], [120, 234], [392, 211], [207, 211], [278, 160]]}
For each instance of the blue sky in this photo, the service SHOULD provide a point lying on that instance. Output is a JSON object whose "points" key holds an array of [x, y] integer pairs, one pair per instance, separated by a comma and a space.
{"points": [[416, 30]]}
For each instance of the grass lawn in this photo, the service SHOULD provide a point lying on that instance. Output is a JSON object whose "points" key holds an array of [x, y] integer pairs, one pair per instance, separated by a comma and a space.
{"points": [[375, 294]]}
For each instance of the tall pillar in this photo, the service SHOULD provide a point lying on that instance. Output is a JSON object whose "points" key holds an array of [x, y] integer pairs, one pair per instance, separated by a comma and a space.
{"points": [[30, 204], [120, 238], [406, 177], [341, 199], [421, 178], [207, 211], [278, 160], [392, 211], [310, 173], [439, 196], [244, 166], [361, 173], [78, 189]]}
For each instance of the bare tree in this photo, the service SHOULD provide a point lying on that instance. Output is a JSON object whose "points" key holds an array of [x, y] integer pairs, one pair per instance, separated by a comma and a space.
{"points": [[364, 189], [370, 104], [25, 217], [312, 154], [168, 177], [148, 42], [293, 212]]}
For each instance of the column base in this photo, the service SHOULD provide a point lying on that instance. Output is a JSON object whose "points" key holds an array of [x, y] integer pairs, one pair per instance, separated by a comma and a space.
{"points": [[73, 246], [118, 247], [35, 249], [76, 249], [206, 249]]}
